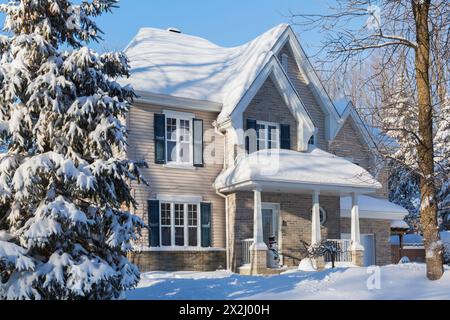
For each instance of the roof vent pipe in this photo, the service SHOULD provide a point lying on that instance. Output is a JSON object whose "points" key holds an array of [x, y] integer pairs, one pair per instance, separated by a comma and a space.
{"points": [[175, 30]]}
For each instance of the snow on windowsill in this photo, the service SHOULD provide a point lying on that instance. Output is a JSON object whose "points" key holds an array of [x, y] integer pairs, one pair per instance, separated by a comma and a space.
{"points": [[138, 249]]}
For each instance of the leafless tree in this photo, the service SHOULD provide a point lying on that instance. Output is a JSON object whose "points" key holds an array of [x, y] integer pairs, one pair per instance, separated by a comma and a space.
{"points": [[389, 39]]}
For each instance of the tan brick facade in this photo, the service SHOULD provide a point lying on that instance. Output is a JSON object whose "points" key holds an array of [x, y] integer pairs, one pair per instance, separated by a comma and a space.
{"points": [[382, 231], [295, 222], [179, 260], [268, 105]]}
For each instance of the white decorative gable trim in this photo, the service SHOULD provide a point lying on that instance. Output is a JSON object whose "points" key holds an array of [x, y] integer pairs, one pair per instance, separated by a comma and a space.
{"points": [[313, 81], [274, 70]]}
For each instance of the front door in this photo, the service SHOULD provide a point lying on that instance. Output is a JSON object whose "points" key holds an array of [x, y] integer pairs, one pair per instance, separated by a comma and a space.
{"points": [[270, 222]]}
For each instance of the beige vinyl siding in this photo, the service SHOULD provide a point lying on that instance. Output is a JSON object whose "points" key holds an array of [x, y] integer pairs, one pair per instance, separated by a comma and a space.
{"points": [[172, 181], [306, 96]]}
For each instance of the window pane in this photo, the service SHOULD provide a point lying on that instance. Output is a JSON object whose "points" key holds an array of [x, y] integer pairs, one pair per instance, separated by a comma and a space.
{"points": [[179, 236], [192, 215], [171, 151], [171, 129], [165, 236], [193, 241], [185, 131], [179, 214], [273, 137], [165, 214], [185, 152]]}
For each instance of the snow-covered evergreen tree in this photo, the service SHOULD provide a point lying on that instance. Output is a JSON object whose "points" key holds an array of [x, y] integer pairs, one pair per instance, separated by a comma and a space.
{"points": [[63, 183]]}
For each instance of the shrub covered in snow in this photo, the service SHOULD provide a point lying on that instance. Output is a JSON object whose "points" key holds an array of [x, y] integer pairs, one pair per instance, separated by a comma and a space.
{"points": [[63, 182]]}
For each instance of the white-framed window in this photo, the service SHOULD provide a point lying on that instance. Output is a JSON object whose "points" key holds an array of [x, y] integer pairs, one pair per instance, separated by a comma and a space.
{"points": [[180, 224], [179, 146], [268, 135], [284, 61]]}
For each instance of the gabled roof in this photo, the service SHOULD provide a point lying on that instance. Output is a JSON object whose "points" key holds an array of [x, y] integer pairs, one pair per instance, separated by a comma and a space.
{"points": [[347, 111], [189, 67]]}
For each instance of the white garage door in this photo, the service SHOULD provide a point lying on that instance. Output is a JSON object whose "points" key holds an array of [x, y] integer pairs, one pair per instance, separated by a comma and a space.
{"points": [[368, 242]]}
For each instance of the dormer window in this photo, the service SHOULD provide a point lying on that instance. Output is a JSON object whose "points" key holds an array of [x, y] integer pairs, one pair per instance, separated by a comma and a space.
{"points": [[284, 61]]}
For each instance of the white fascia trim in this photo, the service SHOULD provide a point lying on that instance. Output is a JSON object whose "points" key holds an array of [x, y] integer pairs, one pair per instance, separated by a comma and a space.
{"points": [[177, 102], [374, 215], [179, 115], [290, 186], [274, 70], [179, 199], [313, 81]]}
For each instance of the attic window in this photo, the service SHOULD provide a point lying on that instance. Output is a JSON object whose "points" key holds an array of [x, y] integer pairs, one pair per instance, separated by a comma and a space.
{"points": [[284, 61]]}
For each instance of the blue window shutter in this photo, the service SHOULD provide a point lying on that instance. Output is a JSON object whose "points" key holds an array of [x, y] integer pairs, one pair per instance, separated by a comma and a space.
{"points": [[198, 142], [160, 138], [153, 219], [285, 137], [251, 125], [206, 224]]}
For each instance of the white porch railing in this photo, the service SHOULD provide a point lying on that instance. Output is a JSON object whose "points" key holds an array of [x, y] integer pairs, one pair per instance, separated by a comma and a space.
{"points": [[344, 252], [246, 245]]}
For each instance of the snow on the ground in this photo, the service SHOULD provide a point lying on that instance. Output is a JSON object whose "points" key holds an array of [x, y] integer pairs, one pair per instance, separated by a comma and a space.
{"points": [[406, 281]]}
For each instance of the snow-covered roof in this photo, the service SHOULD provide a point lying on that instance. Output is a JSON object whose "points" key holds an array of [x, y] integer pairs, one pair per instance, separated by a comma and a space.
{"points": [[185, 66], [399, 224], [373, 208], [314, 169]]}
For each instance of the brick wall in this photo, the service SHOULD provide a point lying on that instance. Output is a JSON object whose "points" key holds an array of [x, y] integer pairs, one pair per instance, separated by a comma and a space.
{"points": [[179, 260], [301, 85], [295, 222], [382, 231], [268, 105]]}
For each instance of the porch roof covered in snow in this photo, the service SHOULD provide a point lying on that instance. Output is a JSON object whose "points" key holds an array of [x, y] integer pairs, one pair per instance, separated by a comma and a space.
{"points": [[296, 172], [374, 208]]}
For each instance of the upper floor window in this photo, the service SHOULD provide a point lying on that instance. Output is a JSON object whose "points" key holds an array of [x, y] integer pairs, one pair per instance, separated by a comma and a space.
{"points": [[263, 135], [268, 135], [284, 61], [178, 139]]}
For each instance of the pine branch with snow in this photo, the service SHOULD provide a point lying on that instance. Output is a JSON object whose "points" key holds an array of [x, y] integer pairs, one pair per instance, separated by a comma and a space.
{"points": [[63, 180]]}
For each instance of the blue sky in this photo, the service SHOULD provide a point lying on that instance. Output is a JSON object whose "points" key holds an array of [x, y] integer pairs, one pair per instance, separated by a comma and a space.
{"points": [[226, 23]]}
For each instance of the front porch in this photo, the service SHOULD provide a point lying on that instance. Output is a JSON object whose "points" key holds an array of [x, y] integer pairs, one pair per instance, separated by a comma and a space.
{"points": [[289, 226], [303, 187]]}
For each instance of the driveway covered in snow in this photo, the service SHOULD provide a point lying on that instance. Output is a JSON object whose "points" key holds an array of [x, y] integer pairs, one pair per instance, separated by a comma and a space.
{"points": [[405, 281]]}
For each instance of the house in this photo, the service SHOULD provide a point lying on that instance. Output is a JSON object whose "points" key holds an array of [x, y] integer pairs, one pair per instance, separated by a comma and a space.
{"points": [[244, 145]]}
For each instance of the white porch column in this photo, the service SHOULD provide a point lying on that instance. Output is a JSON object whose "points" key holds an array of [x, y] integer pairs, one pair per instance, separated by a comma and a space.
{"points": [[355, 233], [258, 223], [356, 248], [315, 232]]}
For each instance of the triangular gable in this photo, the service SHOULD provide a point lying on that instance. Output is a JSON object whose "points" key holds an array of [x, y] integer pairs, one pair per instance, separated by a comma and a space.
{"points": [[274, 70], [360, 126], [313, 81]]}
